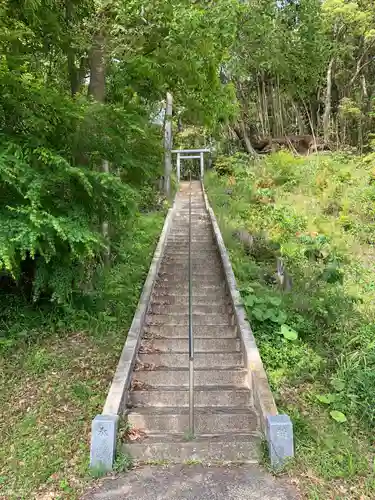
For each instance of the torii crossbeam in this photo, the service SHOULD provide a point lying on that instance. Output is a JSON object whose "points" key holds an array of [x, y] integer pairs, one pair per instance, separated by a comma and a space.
{"points": [[190, 154]]}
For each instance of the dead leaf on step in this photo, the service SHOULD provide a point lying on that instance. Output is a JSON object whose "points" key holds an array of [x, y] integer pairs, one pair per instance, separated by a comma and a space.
{"points": [[147, 347], [140, 365], [135, 434], [149, 367], [138, 385]]}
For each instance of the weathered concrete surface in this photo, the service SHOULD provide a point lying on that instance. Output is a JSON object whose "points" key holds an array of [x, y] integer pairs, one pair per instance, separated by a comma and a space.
{"points": [[195, 483]]}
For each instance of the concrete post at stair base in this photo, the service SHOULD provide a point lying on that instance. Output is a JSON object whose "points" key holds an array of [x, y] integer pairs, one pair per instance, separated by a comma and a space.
{"points": [[103, 441], [280, 439]]}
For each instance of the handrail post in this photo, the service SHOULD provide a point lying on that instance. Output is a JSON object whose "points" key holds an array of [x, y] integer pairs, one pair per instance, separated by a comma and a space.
{"points": [[191, 339]]}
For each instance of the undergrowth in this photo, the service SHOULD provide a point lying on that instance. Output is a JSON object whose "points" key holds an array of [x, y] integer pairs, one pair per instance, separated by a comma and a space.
{"points": [[316, 340], [54, 378]]}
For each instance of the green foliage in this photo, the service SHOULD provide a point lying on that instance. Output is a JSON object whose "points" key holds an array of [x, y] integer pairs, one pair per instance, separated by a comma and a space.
{"points": [[61, 366], [338, 416], [123, 463], [53, 198], [317, 341], [288, 333]]}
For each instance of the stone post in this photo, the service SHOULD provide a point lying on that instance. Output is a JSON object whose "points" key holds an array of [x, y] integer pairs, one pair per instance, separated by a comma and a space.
{"points": [[280, 439], [103, 442]]}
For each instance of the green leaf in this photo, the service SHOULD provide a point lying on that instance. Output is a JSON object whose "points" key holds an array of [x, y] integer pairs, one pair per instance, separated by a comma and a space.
{"points": [[249, 300], [338, 416], [338, 384], [279, 317], [326, 398], [288, 333], [258, 313], [275, 301]]}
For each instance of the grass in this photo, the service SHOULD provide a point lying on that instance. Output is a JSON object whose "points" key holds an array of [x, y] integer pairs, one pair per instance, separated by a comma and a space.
{"points": [[53, 385], [316, 341]]}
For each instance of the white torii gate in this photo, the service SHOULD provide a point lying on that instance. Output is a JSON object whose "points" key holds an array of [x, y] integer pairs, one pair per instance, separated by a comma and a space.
{"points": [[190, 154]]}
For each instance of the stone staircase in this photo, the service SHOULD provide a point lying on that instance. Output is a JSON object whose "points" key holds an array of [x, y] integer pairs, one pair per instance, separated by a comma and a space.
{"points": [[226, 424]]}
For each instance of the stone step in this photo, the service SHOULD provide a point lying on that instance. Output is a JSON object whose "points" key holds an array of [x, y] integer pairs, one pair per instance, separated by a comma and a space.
{"points": [[207, 421], [207, 331], [236, 448], [183, 319], [201, 360], [197, 309], [201, 344], [218, 396], [180, 378]]}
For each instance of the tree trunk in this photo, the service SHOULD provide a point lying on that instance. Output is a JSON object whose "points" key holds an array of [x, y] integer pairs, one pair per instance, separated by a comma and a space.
{"points": [[97, 68], [97, 91], [168, 144], [328, 98], [260, 107], [265, 106], [242, 135]]}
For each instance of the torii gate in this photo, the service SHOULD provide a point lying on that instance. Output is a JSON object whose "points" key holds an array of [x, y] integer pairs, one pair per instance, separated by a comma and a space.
{"points": [[190, 154]]}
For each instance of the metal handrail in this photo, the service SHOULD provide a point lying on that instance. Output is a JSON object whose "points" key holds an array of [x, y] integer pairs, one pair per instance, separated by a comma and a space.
{"points": [[191, 338]]}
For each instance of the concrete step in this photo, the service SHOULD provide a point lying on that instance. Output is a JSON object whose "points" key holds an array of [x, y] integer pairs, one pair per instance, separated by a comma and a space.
{"points": [[196, 233], [183, 287], [201, 360], [197, 309], [197, 262], [209, 331], [234, 448], [222, 397], [173, 245], [182, 221], [206, 253], [183, 319], [198, 300], [199, 280], [197, 223], [197, 250], [207, 421], [197, 229], [197, 270], [201, 344], [196, 237], [171, 264], [180, 378], [183, 210]]}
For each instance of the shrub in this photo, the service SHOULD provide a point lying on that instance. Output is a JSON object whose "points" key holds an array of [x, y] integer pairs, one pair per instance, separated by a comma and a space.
{"points": [[53, 194]]}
